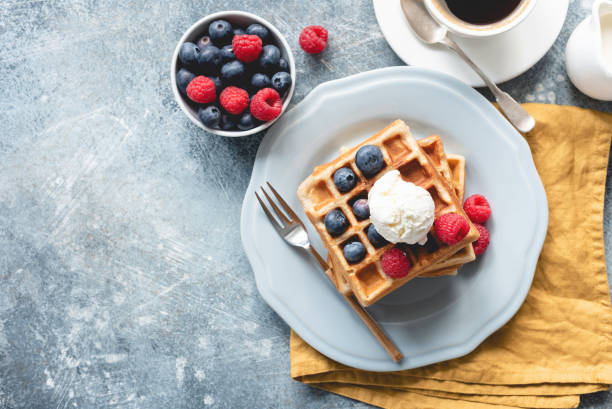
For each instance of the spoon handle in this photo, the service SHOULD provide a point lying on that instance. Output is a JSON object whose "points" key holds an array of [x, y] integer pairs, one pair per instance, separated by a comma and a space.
{"points": [[512, 109]]}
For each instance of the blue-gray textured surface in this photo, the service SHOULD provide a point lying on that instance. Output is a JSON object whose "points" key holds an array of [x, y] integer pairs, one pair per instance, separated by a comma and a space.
{"points": [[124, 283]]}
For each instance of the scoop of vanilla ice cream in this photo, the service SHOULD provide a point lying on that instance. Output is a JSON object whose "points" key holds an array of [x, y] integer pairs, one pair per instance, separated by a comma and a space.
{"points": [[400, 211]]}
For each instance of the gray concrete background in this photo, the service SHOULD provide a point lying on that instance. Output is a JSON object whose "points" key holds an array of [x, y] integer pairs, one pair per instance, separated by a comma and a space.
{"points": [[123, 280]]}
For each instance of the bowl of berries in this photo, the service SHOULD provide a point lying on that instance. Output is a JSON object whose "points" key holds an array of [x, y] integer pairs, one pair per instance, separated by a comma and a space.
{"points": [[233, 73]]}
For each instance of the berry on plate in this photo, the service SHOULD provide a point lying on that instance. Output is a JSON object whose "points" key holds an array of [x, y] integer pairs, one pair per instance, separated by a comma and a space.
{"points": [[269, 58], [336, 222], [201, 90], [313, 39], [258, 30], [209, 60], [345, 179], [266, 104], [183, 78], [188, 54], [361, 209], [232, 72], [281, 81], [451, 228], [375, 238], [247, 47], [477, 208], [395, 263], [354, 252], [369, 160], [480, 245], [210, 116], [234, 100], [246, 122], [260, 80], [220, 32]]}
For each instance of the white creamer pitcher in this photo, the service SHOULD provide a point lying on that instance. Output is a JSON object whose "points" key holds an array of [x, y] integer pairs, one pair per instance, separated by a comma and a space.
{"points": [[588, 56]]}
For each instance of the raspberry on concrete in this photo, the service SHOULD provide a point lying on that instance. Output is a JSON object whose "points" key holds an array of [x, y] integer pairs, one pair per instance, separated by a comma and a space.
{"points": [[313, 39]]}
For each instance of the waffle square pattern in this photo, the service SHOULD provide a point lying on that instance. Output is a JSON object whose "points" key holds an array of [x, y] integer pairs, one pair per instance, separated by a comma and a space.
{"points": [[422, 163]]}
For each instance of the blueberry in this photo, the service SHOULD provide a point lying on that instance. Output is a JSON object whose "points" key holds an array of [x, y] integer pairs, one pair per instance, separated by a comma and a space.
{"points": [[270, 55], [218, 84], [188, 54], [281, 81], [354, 252], [210, 59], [336, 222], [361, 209], [369, 160], [227, 53], [220, 32], [227, 122], [238, 31], [375, 238], [183, 78], [258, 30], [283, 65], [232, 72], [246, 122], [204, 42], [345, 179], [210, 116], [259, 80]]}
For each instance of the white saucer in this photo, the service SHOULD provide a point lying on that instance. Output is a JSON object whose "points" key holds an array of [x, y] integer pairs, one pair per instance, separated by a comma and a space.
{"points": [[502, 57]]}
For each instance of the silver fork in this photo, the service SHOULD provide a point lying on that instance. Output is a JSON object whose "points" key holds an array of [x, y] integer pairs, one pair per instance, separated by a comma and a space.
{"points": [[291, 228]]}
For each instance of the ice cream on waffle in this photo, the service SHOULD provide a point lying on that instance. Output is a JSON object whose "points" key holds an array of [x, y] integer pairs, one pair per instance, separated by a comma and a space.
{"points": [[319, 196], [452, 167]]}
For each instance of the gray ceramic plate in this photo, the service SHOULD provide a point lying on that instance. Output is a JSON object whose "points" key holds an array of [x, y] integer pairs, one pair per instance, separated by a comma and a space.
{"points": [[430, 320]]}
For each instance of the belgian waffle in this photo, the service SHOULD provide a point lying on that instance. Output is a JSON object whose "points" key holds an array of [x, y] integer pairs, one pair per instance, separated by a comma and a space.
{"points": [[400, 151], [456, 163], [453, 168]]}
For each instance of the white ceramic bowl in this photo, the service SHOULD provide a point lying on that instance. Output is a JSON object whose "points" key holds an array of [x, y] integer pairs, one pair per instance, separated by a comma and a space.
{"points": [[235, 18], [439, 10]]}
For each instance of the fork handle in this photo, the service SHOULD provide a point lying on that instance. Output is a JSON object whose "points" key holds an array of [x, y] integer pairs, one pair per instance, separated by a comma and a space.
{"points": [[515, 113], [378, 333], [367, 319], [318, 257]]}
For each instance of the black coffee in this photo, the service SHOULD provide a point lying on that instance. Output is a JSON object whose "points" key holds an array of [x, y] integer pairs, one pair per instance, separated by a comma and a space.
{"points": [[482, 11]]}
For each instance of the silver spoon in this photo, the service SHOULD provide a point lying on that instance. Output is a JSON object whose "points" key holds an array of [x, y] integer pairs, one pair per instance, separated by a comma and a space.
{"points": [[430, 32]]}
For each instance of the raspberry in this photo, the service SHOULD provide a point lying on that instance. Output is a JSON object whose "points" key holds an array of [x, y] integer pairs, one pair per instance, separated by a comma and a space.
{"points": [[313, 39], [266, 104], [451, 228], [477, 208], [482, 243], [234, 100], [395, 263], [201, 89], [246, 47]]}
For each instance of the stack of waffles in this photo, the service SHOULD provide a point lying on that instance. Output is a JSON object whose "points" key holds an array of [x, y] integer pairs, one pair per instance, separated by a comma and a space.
{"points": [[423, 163]]}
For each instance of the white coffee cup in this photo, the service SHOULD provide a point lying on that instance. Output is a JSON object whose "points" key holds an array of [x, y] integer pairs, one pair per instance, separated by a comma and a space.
{"points": [[440, 11]]}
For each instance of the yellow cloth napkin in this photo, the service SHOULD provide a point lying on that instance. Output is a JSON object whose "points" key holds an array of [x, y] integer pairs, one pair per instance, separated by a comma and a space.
{"points": [[559, 344]]}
